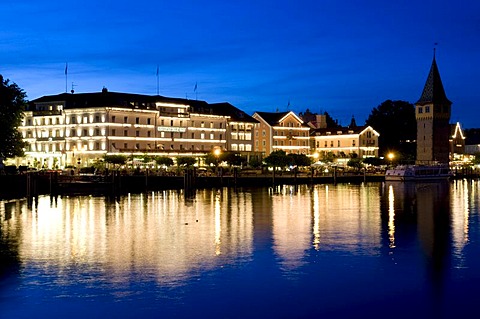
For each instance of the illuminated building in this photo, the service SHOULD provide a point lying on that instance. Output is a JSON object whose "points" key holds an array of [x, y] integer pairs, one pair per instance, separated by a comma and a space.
{"points": [[281, 131], [432, 112], [77, 129], [344, 142], [457, 142]]}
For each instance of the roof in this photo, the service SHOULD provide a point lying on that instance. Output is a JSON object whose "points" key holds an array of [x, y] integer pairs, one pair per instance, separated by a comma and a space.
{"points": [[335, 130], [433, 91], [235, 114], [142, 101], [272, 118], [104, 98]]}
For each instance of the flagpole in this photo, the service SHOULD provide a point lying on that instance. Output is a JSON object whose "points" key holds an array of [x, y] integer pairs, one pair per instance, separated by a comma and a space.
{"points": [[66, 77]]}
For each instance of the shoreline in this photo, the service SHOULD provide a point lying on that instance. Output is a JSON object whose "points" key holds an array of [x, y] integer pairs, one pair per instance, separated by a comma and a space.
{"points": [[32, 185]]}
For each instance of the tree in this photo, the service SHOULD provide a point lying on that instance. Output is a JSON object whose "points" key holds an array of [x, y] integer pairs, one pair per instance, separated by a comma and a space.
{"points": [[186, 161], [163, 160], [395, 122], [355, 163], [255, 162], [233, 159], [299, 160], [12, 105], [277, 159], [116, 159]]}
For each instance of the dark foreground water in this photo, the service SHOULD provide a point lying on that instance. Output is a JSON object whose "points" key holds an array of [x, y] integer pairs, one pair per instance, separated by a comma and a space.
{"points": [[328, 251]]}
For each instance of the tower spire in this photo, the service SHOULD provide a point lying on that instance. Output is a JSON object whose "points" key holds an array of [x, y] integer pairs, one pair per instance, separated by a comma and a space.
{"points": [[433, 91]]}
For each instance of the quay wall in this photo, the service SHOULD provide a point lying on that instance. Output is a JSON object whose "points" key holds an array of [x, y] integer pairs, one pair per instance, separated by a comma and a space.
{"points": [[30, 185]]}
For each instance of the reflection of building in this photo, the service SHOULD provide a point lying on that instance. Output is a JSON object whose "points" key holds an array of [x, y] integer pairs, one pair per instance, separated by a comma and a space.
{"points": [[160, 236], [346, 141], [432, 112], [419, 211], [281, 131], [75, 129]]}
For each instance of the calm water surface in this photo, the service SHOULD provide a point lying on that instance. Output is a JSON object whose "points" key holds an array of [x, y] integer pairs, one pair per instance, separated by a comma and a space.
{"points": [[332, 251]]}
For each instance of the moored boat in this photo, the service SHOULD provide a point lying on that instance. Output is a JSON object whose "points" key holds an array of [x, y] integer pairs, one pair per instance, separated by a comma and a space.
{"points": [[418, 172]]}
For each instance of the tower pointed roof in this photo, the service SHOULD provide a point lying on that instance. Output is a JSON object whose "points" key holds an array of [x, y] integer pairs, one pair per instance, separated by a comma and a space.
{"points": [[433, 91]]}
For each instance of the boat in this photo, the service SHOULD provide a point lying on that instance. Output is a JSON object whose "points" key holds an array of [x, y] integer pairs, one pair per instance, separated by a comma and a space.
{"points": [[418, 173]]}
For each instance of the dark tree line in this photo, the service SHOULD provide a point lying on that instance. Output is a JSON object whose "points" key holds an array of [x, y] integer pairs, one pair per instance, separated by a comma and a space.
{"points": [[395, 122], [12, 105]]}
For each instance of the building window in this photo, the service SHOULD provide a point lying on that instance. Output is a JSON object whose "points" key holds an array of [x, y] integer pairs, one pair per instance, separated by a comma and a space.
{"points": [[264, 133], [125, 145], [97, 132], [149, 133], [125, 119], [193, 135], [171, 122], [149, 121], [113, 119], [353, 142], [113, 145], [125, 133], [420, 109], [97, 119], [211, 124], [137, 133], [427, 109], [137, 146], [338, 143], [73, 120], [212, 136], [221, 136], [85, 132], [202, 124], [202, 136], [113, 132], [137, 120]]}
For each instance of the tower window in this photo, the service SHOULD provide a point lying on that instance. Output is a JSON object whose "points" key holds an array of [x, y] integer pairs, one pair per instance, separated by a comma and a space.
{"points": [[427, 109], [420, 110]]}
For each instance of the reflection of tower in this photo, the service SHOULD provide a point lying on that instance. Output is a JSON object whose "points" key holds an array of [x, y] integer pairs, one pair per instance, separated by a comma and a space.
{"points": [[432, 112]]}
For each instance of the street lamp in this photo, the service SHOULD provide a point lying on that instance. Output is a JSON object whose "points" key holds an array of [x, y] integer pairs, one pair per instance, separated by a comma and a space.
{"points": [[216, 153], [391, 156]]}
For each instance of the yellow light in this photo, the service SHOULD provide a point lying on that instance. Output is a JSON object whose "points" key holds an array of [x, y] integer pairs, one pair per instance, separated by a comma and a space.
{"points": [[217, 152], [391, 156]]}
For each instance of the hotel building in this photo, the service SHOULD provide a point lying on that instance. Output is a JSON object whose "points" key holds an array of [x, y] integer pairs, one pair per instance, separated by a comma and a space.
{"points": [[281, 131], [345, 142], [77, 129]]}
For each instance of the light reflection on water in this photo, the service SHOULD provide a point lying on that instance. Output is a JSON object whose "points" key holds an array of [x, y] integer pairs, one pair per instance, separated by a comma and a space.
{"points": [[160, 250]]}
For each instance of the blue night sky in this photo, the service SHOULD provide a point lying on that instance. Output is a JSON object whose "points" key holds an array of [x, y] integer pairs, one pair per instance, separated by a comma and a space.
{"points": [[343, 57]]}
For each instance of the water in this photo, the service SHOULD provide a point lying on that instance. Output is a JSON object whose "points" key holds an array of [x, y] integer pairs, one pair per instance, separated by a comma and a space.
{"points": [[369, 251]]}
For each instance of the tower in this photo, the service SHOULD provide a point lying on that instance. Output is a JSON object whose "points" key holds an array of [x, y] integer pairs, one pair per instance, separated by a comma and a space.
{"points": [[432, 112]]}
